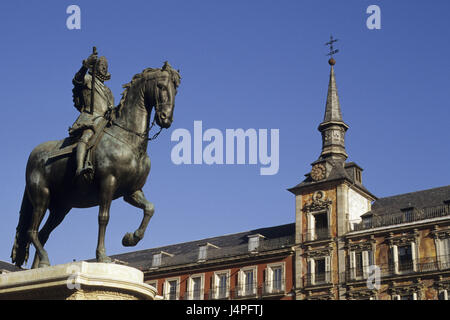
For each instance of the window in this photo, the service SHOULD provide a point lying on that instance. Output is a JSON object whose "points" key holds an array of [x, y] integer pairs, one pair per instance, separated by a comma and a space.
{"points": [[171, 289], [318, 225], [202, 253], [404, 258], [253, 242], [156, 260], [247, 281], [319, 270], [359, 263], [408, 214], [195, 287], [221, 285], [274, 278]]}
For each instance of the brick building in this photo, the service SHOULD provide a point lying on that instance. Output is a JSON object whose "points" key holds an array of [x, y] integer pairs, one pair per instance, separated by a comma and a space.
{"points": [[341, 231]]}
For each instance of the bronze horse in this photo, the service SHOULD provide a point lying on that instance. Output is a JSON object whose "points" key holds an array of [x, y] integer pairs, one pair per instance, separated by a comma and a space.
{"points": [[121, 167]]}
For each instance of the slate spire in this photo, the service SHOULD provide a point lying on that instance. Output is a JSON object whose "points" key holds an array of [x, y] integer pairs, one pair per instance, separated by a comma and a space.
{"points": [[333, 128]]}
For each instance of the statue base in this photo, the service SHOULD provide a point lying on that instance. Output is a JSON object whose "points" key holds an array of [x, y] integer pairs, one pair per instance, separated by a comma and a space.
{"points": [[77, 281]]}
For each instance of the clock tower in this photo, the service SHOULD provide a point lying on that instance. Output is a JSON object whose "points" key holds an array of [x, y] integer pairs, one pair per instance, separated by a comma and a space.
{"points": [[329, 201]]}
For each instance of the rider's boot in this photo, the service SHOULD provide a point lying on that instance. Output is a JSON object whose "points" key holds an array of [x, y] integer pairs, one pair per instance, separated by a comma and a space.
{"points": [[81, 154]]}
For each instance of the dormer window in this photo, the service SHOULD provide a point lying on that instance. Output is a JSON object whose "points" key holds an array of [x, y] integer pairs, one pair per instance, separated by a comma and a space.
{"points": [[408, 213], [253, 242], [203, 251], [358, 176], [157, 258]]}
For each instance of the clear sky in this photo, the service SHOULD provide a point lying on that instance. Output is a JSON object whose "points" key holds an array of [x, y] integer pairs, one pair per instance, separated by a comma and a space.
{"points": [[245, 64]]}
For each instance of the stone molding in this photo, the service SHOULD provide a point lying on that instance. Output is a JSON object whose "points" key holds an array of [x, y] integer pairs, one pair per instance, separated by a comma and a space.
{"points": [[77, 280]]}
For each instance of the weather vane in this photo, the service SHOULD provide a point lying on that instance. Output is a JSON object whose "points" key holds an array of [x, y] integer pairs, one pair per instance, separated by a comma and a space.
{"points": [[332, 50]]}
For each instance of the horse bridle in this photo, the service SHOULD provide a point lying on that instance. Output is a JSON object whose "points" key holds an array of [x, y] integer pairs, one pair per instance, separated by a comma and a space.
{"points": [[158, 106]]}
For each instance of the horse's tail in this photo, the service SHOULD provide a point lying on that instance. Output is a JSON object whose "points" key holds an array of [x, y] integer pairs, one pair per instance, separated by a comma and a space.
{"points": [[20, 250]]}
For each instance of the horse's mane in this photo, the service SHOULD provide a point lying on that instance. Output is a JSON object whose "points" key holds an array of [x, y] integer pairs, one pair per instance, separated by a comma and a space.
{"points": [[175, 75], [128, 85]]}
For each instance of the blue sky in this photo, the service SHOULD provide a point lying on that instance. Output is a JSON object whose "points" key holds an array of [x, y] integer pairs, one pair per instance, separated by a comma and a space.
{"points": [[245, 64]]}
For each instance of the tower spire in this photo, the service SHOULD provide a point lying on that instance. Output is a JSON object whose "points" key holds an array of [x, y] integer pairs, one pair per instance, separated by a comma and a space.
{"points": [[333, 128]]}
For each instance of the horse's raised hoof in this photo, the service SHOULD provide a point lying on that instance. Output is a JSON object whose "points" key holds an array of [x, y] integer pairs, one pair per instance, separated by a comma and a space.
{"points": [[131, 239]]}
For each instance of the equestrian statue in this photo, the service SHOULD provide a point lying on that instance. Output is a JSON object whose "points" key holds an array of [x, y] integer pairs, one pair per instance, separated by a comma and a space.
{"points": [[103, 158]]}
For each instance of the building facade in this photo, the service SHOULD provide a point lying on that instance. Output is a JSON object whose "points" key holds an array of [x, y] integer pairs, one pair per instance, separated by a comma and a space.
{"points": [[352, 245], [345, 243], [257, 264]]}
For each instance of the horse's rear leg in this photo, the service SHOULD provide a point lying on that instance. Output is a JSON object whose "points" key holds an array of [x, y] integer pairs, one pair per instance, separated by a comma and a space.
{"points": [[40, 199], [138, 200], [55, 218]]}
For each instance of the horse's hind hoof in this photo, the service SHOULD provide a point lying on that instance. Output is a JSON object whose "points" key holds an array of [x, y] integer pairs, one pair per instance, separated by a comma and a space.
{"points": [[103, 258], [43, 264]]}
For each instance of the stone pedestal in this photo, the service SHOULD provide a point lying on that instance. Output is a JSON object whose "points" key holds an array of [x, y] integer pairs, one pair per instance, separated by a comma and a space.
{"points": [[77, 281]]}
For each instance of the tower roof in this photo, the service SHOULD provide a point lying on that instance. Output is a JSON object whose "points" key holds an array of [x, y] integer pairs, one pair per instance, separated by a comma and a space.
{"points": [[332, 108]]}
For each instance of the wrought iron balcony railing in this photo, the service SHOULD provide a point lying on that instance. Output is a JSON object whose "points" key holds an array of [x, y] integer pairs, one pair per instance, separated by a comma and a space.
{"points": [[318, 234], [423, 265], [314, 279], [273, 287], [403, 217]]}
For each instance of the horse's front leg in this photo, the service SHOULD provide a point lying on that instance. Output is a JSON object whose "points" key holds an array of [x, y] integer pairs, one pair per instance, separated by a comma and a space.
{"points": [[138, 200], [106, 193]]}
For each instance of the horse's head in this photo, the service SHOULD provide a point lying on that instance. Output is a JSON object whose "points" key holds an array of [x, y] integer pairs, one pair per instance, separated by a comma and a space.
{"points": [[162, 94]]}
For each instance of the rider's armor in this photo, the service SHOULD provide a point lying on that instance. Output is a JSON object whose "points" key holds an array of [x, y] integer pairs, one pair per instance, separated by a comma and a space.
{"points": [[85, 125]]}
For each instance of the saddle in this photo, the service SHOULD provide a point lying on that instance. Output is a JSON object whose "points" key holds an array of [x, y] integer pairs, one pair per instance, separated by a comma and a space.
{"points": [[70, 144]]}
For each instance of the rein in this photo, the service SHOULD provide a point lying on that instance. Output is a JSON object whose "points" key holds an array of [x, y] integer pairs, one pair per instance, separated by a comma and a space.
{"points": [[141, 135]]}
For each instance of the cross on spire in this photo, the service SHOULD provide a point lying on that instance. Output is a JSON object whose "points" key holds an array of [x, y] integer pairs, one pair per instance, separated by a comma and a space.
{"points": [[332, 50]]}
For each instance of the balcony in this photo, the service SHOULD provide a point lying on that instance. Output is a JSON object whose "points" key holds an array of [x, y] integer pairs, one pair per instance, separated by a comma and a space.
{"points": [[219, 293], [317, 279], [246, 291], [424, 265], [275, 287], [318, 234], [403, 217]]}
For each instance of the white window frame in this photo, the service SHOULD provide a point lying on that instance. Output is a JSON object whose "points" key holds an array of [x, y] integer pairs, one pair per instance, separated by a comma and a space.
{"points": [[166, 292], [202, 253], [414, 254], [242, 282], [312, 269], [311, 221], [443, 257], [190, 286], [216, 288], [365, 263], [269, 276], [156, 260]]}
